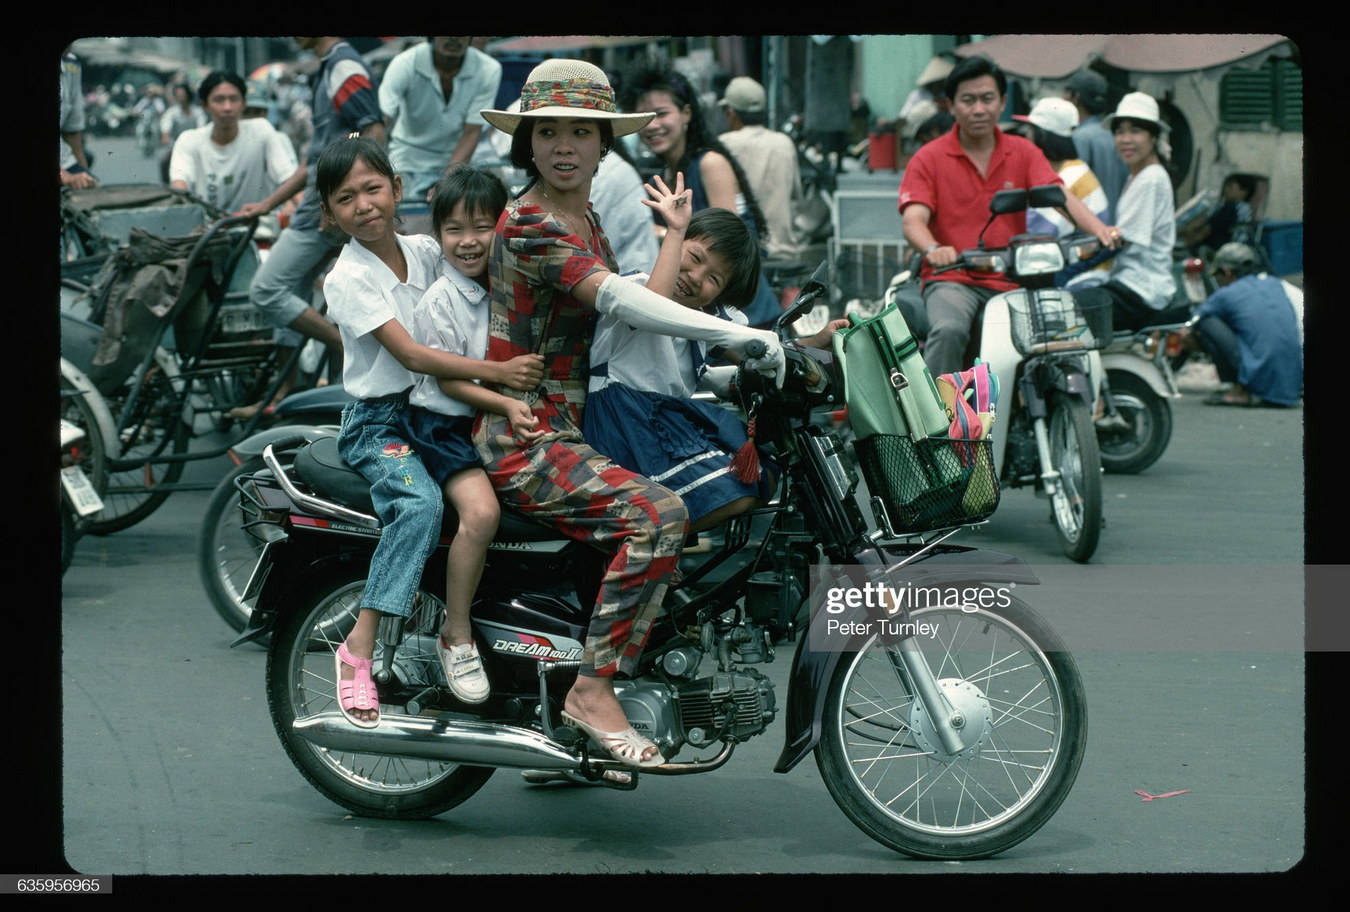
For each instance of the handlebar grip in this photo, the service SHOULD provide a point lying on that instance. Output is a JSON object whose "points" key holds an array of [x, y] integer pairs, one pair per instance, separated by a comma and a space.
{"points": [[755, 348]]}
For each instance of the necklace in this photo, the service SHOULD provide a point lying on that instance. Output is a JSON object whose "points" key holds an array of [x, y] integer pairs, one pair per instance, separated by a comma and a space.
{"points": [[543, 188]]}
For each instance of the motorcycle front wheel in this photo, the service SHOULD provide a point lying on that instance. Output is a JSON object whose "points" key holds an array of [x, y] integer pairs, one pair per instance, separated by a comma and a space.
{"points": [[1077, 506], [300, 683], [1025, 729], [1149, 416]]}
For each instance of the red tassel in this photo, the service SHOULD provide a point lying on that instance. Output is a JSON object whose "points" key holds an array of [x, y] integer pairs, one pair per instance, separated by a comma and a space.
{"points": [[745, 464]]}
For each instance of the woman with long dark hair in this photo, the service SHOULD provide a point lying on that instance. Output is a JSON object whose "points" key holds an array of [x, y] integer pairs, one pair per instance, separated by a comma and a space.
{"points": [[679, 136]]}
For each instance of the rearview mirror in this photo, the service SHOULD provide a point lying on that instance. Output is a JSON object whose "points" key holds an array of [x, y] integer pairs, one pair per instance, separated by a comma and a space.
{"points": [[1046, 196], [1006, 201], [805, 301]]}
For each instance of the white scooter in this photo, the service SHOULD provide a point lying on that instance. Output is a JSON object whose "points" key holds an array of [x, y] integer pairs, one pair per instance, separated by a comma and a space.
{"points": [[1039, 345]]}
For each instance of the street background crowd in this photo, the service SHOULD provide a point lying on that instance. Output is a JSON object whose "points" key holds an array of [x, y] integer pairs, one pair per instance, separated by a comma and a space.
{"points": [[794, 140]]}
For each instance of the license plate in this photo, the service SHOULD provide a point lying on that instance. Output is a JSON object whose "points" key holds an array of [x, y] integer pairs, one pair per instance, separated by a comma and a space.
{"points": [[82, 495]]}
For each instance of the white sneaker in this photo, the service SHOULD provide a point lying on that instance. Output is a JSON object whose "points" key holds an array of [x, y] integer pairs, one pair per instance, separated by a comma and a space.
{"points": [[464, 671]]}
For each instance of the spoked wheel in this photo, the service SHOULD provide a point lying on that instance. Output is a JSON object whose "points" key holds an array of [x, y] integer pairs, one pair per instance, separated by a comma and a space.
{"points": [[300, 683], [232, 537], [1149, 417], [1023, 731], [154, 428], [1077, 506]]}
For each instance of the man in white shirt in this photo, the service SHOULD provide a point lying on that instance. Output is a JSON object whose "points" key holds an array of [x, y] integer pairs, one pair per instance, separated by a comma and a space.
{"points": [[430, 95], [74, 165], [237, 164], [769, 160]]}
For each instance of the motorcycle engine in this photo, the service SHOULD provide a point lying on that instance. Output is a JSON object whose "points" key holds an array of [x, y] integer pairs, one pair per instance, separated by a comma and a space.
{"points": [[727, 705]]}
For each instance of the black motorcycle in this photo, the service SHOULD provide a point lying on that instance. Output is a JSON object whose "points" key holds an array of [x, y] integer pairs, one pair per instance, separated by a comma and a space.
{"points": [[946, 718]]}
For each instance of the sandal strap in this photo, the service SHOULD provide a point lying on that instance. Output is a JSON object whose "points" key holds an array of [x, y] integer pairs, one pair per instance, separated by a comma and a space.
{"points": [[358, 692]]}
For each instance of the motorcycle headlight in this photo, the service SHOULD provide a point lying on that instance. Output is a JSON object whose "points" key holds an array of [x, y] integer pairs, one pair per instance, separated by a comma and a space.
{"points": [[1038, 258]]}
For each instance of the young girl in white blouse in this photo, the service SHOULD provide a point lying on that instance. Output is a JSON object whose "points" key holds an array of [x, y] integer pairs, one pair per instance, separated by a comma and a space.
{"points": [[371, 294]]}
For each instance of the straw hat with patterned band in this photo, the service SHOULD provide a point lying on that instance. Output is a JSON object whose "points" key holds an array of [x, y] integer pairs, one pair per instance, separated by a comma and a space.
{"points": [[567, 88]]}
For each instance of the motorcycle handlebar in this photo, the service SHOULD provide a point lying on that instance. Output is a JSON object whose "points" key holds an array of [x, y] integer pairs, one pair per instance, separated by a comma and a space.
{"points": [[755, 349]]}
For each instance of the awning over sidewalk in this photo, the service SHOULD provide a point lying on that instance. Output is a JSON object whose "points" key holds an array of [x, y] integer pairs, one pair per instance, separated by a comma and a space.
{"points": [[546, 44], [1059, 56]]}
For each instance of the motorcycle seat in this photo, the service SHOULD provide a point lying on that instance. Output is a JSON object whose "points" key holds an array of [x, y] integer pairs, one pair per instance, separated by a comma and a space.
{"points": [[321, 468], [1166, 318]]}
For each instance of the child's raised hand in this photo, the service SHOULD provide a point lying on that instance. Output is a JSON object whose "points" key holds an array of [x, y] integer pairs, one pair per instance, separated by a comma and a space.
{"points": [[524, 422], [673, 205], [523, 372]]}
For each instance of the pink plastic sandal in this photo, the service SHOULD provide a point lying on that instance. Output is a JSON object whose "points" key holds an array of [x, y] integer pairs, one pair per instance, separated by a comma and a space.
{"points": [[359, 692]]}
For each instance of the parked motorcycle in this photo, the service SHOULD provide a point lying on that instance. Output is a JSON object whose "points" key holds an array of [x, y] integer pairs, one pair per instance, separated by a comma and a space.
{"points": [[1138, 393], [233, 534], [957, 742]]}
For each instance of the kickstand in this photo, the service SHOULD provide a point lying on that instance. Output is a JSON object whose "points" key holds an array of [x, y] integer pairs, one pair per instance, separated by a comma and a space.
{"points": [[624, 780]]}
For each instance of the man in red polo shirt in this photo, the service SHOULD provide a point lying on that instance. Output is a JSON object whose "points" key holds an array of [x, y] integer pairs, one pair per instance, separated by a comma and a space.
{"points": [[944, 202]]}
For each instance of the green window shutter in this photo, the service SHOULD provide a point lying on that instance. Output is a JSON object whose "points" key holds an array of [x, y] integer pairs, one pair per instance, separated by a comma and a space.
{"points": [[1289, 95], [1270, 97]]}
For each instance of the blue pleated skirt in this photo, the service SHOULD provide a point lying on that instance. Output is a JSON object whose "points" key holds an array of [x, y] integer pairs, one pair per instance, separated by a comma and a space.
{"points": [[684, 445]]}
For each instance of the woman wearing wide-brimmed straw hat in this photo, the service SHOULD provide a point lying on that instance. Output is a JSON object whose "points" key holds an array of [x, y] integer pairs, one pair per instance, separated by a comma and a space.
{"points": [[1141, 283], [551, 270]]}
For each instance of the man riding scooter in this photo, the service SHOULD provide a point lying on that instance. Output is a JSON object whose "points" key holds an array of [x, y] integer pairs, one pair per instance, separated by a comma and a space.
{"points": [[944, 204]]}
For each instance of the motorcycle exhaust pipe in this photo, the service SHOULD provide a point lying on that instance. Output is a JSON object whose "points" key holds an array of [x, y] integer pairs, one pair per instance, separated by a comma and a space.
{"points": [[445, 740]]}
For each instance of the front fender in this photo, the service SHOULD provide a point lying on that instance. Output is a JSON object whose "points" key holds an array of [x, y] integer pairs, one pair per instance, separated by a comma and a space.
{"points": [[812, 669]]}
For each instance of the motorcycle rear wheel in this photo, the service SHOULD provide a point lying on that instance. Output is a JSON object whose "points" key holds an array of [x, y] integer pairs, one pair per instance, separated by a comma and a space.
{"points": [[1149, 417], [226, 553], [300, 683], [1077, 507], [1009, 672]]}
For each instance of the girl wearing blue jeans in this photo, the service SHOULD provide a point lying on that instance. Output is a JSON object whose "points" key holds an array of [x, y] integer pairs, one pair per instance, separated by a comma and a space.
{"points": [[371, 293]]}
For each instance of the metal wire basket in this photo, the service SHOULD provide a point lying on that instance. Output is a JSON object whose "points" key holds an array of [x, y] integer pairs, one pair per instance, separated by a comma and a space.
{"points": [[1050, 320], [932, 483]]}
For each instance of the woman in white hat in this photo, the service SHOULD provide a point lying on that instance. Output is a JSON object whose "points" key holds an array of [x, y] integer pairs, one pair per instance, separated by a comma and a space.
{"points": [[551, 270], [1141, 282]]}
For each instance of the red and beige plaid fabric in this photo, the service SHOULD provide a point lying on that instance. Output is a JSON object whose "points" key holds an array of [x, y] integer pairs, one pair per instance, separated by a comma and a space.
{"points": [[560, 480]]}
